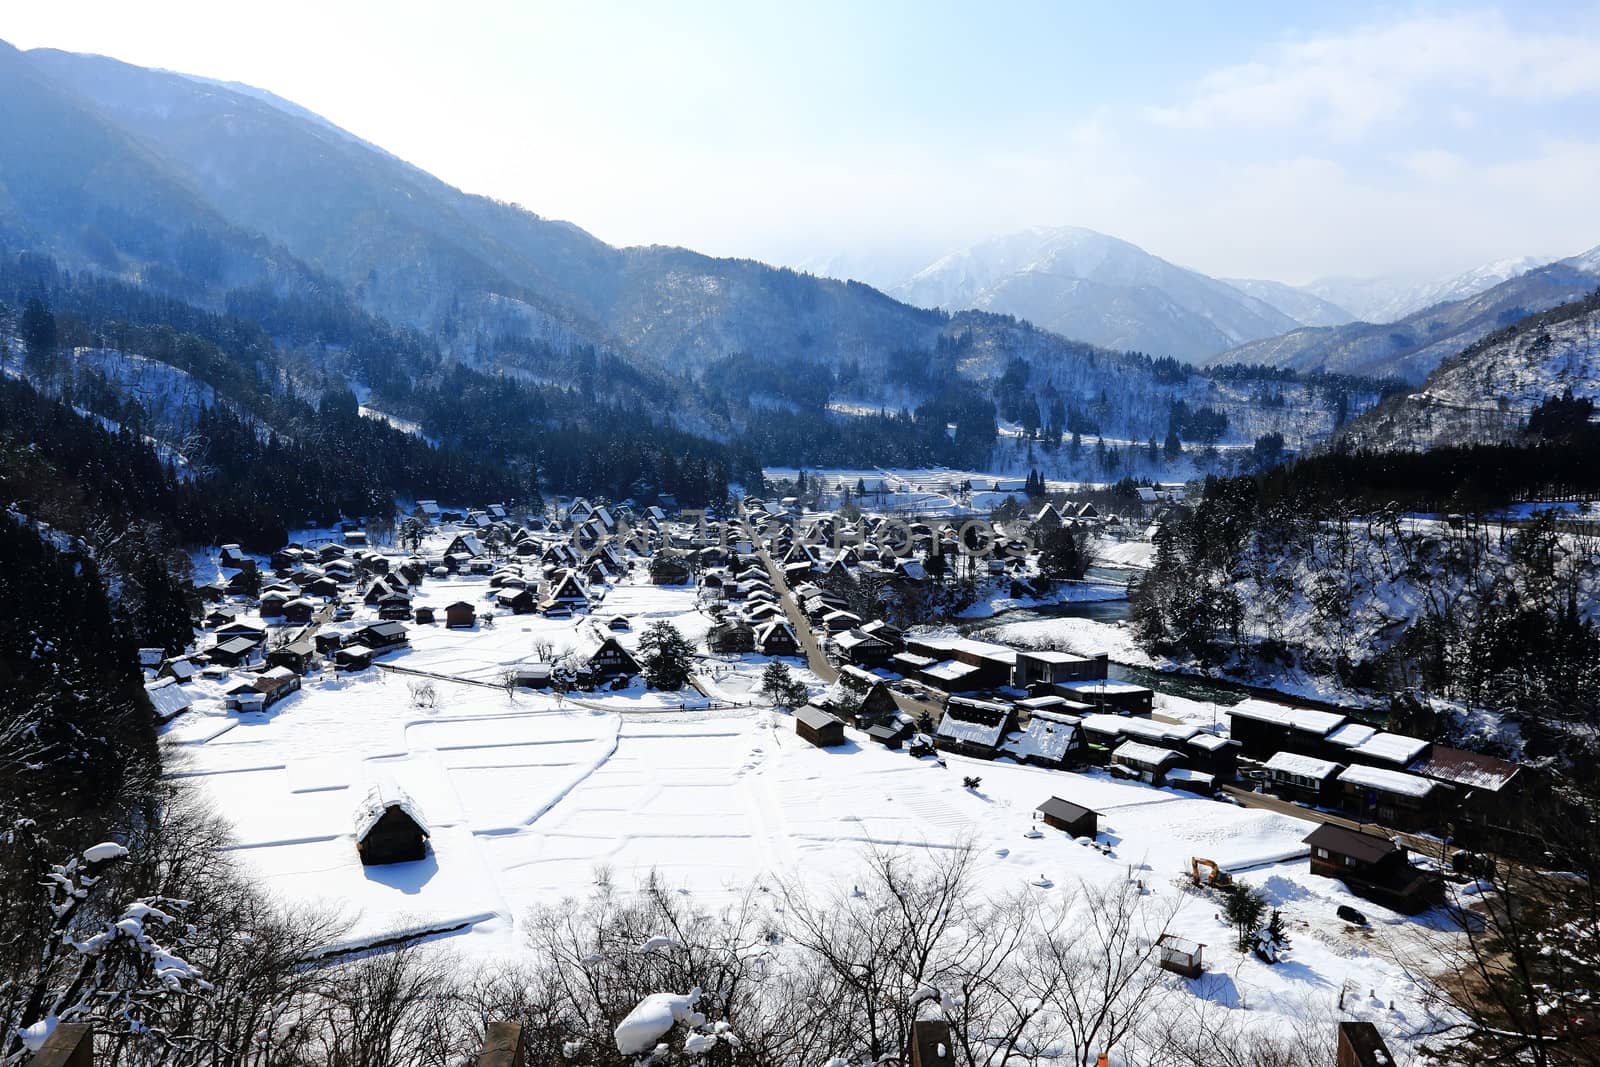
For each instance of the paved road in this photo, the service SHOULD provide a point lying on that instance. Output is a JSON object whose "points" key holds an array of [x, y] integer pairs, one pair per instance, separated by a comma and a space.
{"points": [[816, 658]]}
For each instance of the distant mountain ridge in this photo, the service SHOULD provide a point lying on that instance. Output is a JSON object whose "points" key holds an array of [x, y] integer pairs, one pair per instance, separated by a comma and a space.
{"points": [[1413, 346], [423, 254], [1086, 285], [1379, 300], [1306, 308]]}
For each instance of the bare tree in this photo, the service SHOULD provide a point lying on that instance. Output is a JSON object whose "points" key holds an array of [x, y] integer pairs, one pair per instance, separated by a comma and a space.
{"points": [[424, 696], [1518, 975], [1095, 968]]}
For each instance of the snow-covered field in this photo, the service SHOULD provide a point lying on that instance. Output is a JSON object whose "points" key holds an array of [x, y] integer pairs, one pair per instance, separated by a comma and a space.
{"points": [[528, 799]]}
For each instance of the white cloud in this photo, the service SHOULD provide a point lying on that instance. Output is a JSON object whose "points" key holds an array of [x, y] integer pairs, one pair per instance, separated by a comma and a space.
{"points": [[1344, 84]]}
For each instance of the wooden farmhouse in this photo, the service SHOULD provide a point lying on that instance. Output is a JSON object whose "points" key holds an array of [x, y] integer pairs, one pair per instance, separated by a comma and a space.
{"points": [[389, 828], [1372, 867], [817, 726], [1075, 819]]}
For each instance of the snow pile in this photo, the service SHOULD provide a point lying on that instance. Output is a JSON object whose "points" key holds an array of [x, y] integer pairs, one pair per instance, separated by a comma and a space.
{"points": [[104, 852], [649, 1022], [33, 1037]]}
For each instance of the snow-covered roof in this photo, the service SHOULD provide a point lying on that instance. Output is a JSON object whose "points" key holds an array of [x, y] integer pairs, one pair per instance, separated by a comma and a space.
{"points": [[950, 671], [1352, 734], [1181, 945], [1309, 719], [1045, 656], [1184, 774], [1391, 748], [951, 645], [1103, 686], [1302, 766], [972, 733], [385, 794], [1046, 737], [1143, 729], [1209, 742], [168, 697], [850, 639], [1388, 781], [1149, 755]]}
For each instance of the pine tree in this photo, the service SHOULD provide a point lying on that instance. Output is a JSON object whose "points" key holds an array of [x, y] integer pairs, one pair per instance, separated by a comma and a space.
{"points": [[38, 328], [1243, 909], [667, 656]]}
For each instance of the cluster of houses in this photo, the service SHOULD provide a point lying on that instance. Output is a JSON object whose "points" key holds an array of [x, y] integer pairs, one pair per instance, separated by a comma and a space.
{"points": [[1063, 711], [264, 628], [1044, 708]]}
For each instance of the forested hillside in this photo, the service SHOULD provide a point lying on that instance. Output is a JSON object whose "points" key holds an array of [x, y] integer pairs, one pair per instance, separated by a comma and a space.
{"points": [[358, 264], [1323, 570], [1501, 388]]}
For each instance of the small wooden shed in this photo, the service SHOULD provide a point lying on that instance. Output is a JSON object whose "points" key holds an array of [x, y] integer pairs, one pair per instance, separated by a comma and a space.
{"points": [[389, 828], [1180, 955], [1075, 819], [460, 615], [818, 727]]}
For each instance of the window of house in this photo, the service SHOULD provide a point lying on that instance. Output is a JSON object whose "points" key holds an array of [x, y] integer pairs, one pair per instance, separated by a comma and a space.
{"points": [[1322, 853]]}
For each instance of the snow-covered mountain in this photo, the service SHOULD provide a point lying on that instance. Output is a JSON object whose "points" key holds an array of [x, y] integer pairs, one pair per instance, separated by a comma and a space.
{"points": [[1486, 392], [1412, 346], [1306, 308], [1392, 299], [1096, 288], [1457, 287]]}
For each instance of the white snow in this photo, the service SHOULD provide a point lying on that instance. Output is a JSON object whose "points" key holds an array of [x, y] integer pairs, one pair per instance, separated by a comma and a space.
{"points": [[526, 797], [104, 852], [1301, 766], [649, 1022], [1387, 780]]}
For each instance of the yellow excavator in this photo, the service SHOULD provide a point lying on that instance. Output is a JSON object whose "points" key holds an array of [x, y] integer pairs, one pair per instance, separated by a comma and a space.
{"points": [[1217, 877]]}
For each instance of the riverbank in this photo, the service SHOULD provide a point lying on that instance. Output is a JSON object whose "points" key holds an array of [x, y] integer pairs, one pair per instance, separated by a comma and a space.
{"points": [[1090, 591], [1070, 628]]}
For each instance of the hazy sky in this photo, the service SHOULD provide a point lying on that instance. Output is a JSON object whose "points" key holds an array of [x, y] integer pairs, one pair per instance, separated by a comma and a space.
{"points": [[1273, 139]]}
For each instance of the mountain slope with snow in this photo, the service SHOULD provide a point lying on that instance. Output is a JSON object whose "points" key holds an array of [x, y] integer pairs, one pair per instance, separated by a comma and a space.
{"points": [[1411, 347], [1386, 299], [1306, 308], [1457, 287], [1486, 393], [1099, 289]]}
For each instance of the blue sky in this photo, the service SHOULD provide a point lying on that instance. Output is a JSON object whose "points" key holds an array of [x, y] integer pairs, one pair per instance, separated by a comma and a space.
{"points": [[1270, 140]]}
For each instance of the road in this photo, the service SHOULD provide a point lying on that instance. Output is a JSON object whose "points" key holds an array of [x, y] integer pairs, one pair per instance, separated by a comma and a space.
{"points": [[816, 658], [1268, 802]]}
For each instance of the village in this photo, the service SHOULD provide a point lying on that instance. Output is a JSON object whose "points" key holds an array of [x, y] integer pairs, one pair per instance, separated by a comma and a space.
{"points": [[441, 730]]}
